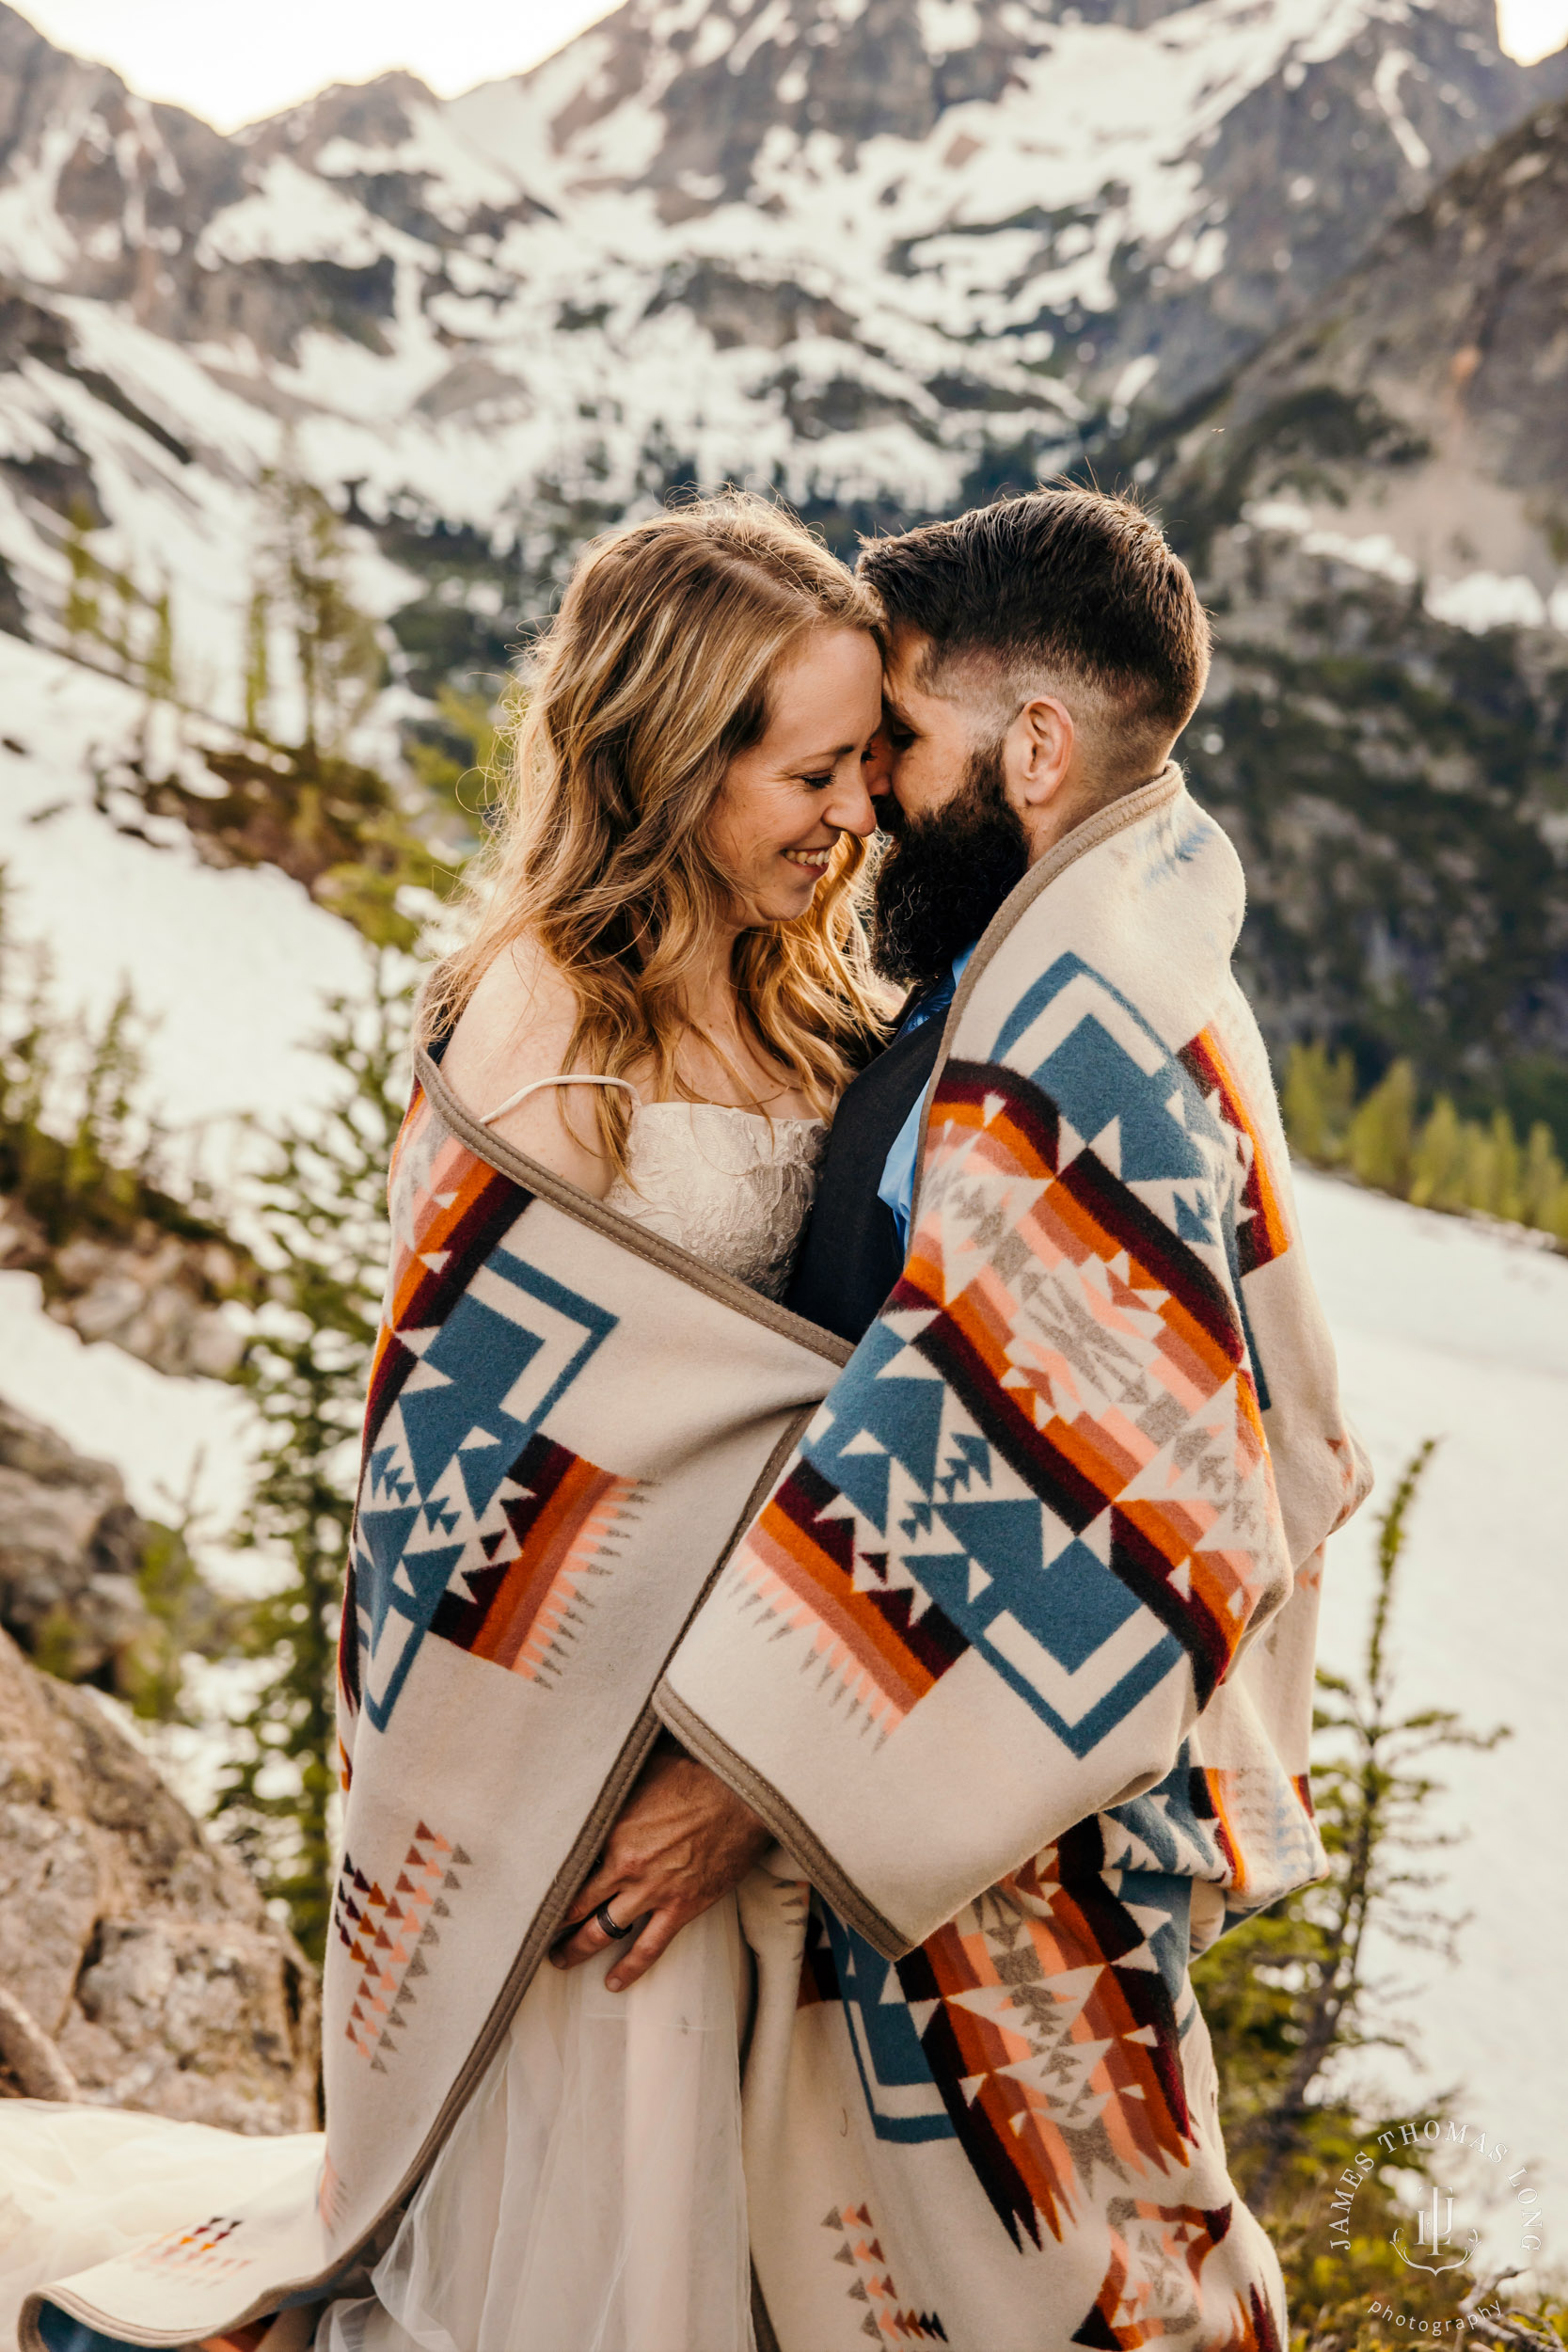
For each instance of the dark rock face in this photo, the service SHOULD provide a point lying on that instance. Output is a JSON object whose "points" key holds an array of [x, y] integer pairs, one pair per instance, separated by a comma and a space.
{"points": [[1309, 167], [153, 166], [1390, 784], [1455, 328], [139, 1948], [69, 1549], [1378, 513]]}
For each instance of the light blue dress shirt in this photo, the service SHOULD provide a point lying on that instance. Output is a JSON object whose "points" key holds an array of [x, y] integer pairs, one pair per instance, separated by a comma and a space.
{"points": [[897, 1185]]}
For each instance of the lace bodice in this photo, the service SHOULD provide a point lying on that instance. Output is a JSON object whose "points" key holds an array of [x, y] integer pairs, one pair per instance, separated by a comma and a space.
{"points": [[730, 1185], [727, 1184]]}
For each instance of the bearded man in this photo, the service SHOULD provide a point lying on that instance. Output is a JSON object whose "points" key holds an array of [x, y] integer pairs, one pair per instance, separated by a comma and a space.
{"points": [[1015, 1662]]}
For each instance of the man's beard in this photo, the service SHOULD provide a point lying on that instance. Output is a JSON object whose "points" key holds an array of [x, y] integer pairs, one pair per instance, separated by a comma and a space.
{"points": [[944, 876]]}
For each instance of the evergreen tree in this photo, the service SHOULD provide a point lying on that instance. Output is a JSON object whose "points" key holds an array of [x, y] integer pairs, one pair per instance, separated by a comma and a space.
{"points": [[1291, 1998], [258, 663], [80, 615], [1443, 1162], [324, 1213], [1437, 1168], [304, 580], [158, 677], [1318, 1098], [1544, 1184], [1380, 1142]]}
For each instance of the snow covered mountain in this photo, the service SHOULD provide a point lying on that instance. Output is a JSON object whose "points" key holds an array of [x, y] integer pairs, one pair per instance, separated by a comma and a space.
{"points": [[881, 251], [1377, 505]]}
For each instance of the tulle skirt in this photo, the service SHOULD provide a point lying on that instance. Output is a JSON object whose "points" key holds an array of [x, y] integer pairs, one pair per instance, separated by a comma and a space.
{"points": [[589, 2198]]}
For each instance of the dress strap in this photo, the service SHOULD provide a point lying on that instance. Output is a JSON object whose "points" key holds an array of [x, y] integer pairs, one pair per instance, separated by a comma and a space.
{"points": [[567, 1078]]}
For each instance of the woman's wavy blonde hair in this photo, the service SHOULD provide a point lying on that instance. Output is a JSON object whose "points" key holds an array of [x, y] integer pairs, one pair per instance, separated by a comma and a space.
{"points": [[652, 679]]}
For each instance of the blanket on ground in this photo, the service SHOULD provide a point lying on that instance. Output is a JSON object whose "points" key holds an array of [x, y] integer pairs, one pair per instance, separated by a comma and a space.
{"points": [[1016, 1658], [568, 1422]]}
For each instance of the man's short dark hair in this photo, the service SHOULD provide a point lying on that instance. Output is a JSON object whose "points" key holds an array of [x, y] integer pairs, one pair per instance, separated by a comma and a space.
{"points": [[1061, 582]]}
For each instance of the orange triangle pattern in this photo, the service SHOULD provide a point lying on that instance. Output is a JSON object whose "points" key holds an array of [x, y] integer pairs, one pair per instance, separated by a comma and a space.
{"points": [[384, 1956]]}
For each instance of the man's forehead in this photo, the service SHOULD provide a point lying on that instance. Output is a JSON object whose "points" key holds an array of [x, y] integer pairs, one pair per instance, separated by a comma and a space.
{"points": [[928, 687], [907, 671]]}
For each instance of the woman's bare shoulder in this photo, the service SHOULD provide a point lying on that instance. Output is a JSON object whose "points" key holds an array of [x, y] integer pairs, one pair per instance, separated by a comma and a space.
{"points": [[517, 1028]]}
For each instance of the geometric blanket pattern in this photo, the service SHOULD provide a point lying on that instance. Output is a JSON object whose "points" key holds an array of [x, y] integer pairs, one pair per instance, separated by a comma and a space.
{"points": [[1039, 2030], [565, 1421], [1017, 1656], [383, 1935], [1066, 1476]]}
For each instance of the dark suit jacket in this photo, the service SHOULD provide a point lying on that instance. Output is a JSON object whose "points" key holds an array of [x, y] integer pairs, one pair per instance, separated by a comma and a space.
{"points": [[852, 1255]]}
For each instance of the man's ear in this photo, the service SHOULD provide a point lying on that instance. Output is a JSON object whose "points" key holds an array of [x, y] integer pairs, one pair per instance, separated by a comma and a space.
{"points": [[1038, 752]]}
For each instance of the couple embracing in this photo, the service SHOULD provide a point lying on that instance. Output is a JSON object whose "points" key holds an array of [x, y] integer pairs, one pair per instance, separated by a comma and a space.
{"points": [[831, 1617]]}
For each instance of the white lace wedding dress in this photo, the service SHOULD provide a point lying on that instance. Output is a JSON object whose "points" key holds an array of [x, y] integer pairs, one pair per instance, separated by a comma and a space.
{"points": [[590, 2198]]}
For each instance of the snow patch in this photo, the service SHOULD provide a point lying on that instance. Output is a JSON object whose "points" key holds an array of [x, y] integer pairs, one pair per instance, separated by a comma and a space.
{"points": [[1134, 378], [231, 967], [1483, 600], [1391, 68], [174, 1442], [1450, 1328], [1375, 552], [291, 216]]}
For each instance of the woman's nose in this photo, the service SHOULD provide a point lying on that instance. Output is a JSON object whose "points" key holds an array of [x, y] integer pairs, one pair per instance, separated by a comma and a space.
{"points": [[849, 804]]}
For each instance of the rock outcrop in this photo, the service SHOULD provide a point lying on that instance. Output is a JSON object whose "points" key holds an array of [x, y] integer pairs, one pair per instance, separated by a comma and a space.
{"points": [[1377, 513], [70, 1546], [160, 1295], [139, 1951]]}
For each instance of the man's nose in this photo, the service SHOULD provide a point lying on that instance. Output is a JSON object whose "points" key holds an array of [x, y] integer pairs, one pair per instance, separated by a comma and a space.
{"points": [[877, 765]]}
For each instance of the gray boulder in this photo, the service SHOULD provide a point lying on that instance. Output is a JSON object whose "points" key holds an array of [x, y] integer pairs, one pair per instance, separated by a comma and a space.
{"points": [[69, 1549], [140, 1952]]}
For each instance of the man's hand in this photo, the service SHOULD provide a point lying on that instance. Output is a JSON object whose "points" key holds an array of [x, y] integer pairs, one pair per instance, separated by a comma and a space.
{"points": [[683, 1841]]}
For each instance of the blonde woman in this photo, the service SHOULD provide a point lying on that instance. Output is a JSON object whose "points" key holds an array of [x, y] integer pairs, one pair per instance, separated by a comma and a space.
{"points": [[665, 991]]}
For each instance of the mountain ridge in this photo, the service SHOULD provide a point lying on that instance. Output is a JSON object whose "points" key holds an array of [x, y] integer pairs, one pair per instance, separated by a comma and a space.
{"points": [[882, 258]]}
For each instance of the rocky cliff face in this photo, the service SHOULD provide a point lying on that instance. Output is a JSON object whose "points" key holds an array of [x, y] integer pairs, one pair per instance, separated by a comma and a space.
{"points": [[1136, 183], [1379, 510], [70, 1546], [88, 1588], [1420, 412], [134, 1955]]}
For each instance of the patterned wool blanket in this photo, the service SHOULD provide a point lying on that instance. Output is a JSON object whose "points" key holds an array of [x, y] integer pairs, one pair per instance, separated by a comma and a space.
{"points": [[569, 1421], [1016, 1658]]}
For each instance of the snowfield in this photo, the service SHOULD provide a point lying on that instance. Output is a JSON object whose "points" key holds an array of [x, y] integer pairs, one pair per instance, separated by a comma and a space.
{"points": [[1452, 1329], [230, 968]]}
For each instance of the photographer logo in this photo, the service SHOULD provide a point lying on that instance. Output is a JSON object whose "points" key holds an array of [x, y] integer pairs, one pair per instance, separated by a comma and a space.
{"points": [[1436, 2243]]}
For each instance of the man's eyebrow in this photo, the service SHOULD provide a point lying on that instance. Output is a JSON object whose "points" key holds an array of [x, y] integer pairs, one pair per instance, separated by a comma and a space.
{"points": [[899, 717]]}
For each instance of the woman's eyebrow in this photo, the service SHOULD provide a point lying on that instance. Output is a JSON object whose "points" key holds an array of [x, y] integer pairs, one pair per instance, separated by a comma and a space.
{"points": [[824, 759]]}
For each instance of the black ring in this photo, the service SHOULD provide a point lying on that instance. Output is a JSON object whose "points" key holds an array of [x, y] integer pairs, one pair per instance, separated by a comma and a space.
{"points": [[602, 1916]]}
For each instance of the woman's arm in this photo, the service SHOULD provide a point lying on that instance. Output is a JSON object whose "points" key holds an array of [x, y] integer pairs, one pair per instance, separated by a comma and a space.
{"points": [[517, 1028]]}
